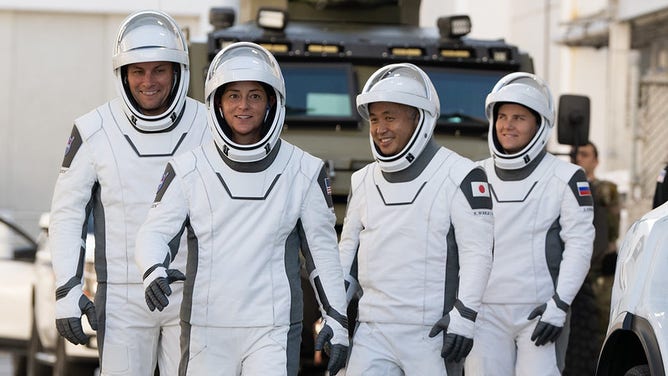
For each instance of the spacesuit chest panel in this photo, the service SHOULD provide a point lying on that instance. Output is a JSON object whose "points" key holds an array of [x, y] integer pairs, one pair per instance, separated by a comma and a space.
{"points": [[154, 144], [405, 193], [253, 185], [504, 191], [397, 193]]}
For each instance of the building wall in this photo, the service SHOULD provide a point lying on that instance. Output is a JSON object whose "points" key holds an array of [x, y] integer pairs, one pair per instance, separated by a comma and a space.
{"points": [[56, 66]]}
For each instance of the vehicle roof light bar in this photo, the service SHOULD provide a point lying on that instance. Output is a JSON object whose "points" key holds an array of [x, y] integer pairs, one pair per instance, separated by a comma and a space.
{"points": [[454, 27], [272, 18]]}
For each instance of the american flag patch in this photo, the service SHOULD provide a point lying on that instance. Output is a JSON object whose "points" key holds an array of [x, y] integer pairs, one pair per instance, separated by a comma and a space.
{"points": [[69, 144], [328, 186], [583, 188], [162, 181], [479, 189]]}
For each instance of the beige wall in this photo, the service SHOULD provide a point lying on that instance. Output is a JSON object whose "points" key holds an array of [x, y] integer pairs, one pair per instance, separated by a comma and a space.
{"points": [[55, 67]]}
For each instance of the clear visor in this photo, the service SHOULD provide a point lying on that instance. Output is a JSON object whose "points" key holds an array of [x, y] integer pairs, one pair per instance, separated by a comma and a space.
{"points": [[244, 63]]}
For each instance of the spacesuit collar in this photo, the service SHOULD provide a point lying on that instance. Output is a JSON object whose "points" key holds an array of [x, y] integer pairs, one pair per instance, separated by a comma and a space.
{"points": [[256, 166], [522, 173], [414, 169]]}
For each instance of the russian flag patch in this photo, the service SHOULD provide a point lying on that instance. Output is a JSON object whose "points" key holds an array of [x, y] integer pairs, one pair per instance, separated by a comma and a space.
{"points": [[479, 189], [583, 188]]}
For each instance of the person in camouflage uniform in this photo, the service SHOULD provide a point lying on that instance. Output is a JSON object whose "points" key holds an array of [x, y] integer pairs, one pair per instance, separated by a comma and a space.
{"points": [[606, 215], [591, 307]]}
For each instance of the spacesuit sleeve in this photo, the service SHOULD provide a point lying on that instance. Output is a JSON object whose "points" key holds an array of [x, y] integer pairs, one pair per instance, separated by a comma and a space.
{"points": [[473, 222], [320, 250], [577, 233], [158, 237], [71, 203], [349, 243]]}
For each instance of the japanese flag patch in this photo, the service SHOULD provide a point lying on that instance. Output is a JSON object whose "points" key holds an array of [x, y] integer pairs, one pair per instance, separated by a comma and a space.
{"points": [[480, 189], [583, 188]]}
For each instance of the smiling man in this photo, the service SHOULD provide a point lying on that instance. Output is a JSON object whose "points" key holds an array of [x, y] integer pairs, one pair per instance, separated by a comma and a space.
{"points": [[113, 161], [417, 236]]}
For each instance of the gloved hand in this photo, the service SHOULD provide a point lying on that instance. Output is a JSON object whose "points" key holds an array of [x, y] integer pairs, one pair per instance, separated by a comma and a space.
{"points": [[158, 289], [458, 326], [70, 327], [552, 318], [333, 339]]}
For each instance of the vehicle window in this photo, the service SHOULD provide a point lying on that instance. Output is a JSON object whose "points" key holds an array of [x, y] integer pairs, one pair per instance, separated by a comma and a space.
{"points": [[319, 91], [14, 242], [462, 94]]}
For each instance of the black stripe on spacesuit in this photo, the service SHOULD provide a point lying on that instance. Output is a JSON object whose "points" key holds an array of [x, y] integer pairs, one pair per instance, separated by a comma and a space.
{"points": [[583, 196], [483, 200], [407, 202], [293, 348], [326, 186], [257, 198], [451, 272], [62, 291], [73, 145], [174, 245], [76, 279], [187, 302], [165, 181], [292, 269], [171, 153], [554, 249], [100, 229], [317, 285], [465, 311]]}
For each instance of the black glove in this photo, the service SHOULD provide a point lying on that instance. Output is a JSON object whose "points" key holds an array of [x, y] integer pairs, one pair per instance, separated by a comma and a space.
{"points": [[337, 352], [70, 327], [552, 318], [157, 291], [455, 346]]}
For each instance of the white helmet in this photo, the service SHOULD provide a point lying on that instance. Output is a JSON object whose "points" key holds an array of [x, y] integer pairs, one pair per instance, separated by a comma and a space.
{"points": [[245, 61], [408, 85], [147, 36], [529, 91]]}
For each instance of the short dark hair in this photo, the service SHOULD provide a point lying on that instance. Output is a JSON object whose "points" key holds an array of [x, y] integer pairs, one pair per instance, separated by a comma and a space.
{"points": [[593, 147], [539, 119]]}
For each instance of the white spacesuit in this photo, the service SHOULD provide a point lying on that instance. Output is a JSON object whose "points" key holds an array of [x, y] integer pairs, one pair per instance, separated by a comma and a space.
{"points": [[543, 235], [113, 161], [419, 226], [249, 208]]}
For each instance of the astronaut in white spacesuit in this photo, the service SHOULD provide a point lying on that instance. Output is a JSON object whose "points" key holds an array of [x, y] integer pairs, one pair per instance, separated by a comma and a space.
{"points": [[251, 202], [113, 161], [419, 228], [543, 236]]}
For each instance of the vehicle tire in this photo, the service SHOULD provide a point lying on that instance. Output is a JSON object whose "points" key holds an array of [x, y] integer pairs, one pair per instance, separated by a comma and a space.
{"points": [[585, 340], [33, 366], [67, 367], [641, 370]]}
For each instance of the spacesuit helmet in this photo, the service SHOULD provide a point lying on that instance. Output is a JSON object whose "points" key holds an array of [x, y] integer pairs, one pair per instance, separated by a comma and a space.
{"points": [[149, 36], [245, 61], [531, 92], [406, 84]]}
